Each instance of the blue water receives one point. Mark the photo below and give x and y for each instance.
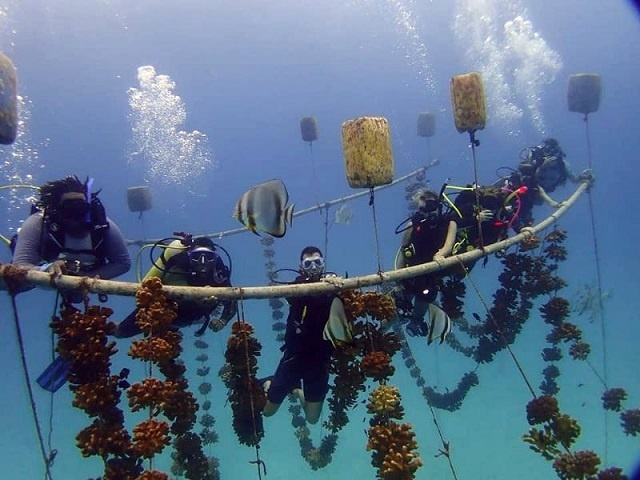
(239, 77)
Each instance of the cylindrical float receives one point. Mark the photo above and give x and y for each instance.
(368, 157)
(139, 199)
(309, 129)
(468, 102)
(583, 94)
(8, 101)
(426, 124)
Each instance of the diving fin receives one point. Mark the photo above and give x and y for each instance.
(439, 324)
(55, 375)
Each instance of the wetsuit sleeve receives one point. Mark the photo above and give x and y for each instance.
(449, 241)
(27, 251)
(117, 256)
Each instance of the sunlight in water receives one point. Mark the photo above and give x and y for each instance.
(19, 162)
(514, 59)
(171, 155)
(406, 28)
(414, 47)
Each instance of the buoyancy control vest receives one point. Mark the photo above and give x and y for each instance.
(52, 244)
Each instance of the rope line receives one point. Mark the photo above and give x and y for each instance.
(47, 459)
(398, 330)
(299, 213)
(495, 324)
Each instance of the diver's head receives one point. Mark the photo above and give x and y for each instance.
(205, 265)
(65, 202)
(427, 200)
(311, 263)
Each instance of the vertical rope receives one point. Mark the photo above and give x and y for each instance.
(445, 452)
(476, 186)
(258, 461)
(326, 231)
(52, 451)
(34, 412)
(498, 329)
(603, 330)
(372, 204)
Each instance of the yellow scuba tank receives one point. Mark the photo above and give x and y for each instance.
(366, 147)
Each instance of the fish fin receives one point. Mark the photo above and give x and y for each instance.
(338, 329)
(288, 214)
(251, 225)
(439, 324)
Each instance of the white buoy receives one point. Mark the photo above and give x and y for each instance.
(139, 199)
(309, 129)
(583, 94)
(426, 124)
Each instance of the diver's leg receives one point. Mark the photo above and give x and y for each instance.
(128, 327)
(284, 380)
(316, 386)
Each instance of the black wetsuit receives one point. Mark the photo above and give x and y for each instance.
(306, 354)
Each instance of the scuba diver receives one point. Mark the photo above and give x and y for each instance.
(190, 262)
(541, 170)
(429, 235)
(315, 325)
(69, 233)
(483, 216)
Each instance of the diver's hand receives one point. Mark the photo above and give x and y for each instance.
(485, 215)
(333, 279)
(528, 230)
(57, 268)
(217, 324)
(587, 175)
(439, 258)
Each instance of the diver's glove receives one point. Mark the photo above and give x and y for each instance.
(485, 215)
(587, 175)
(217, 324)
(57, 268)
(417, 329)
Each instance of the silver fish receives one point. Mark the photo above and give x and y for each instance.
(263, 208)
(343, 215)
(439, 324)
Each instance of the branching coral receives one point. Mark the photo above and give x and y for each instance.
(542, 409)
(247, 396)
(576, 466)
(631, 421)
(385, 401)
(161, 346)
(555, 310)
(612, 399)
(377, 365)
(394, 453)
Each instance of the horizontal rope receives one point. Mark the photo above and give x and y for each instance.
(205, 294)
(315, 208)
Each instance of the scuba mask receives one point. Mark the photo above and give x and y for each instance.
(312, 266)
(204, 262)
(74, 210)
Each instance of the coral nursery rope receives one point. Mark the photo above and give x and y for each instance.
(499, 330)
(258, 461)
(444, 452)
(45, 458)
